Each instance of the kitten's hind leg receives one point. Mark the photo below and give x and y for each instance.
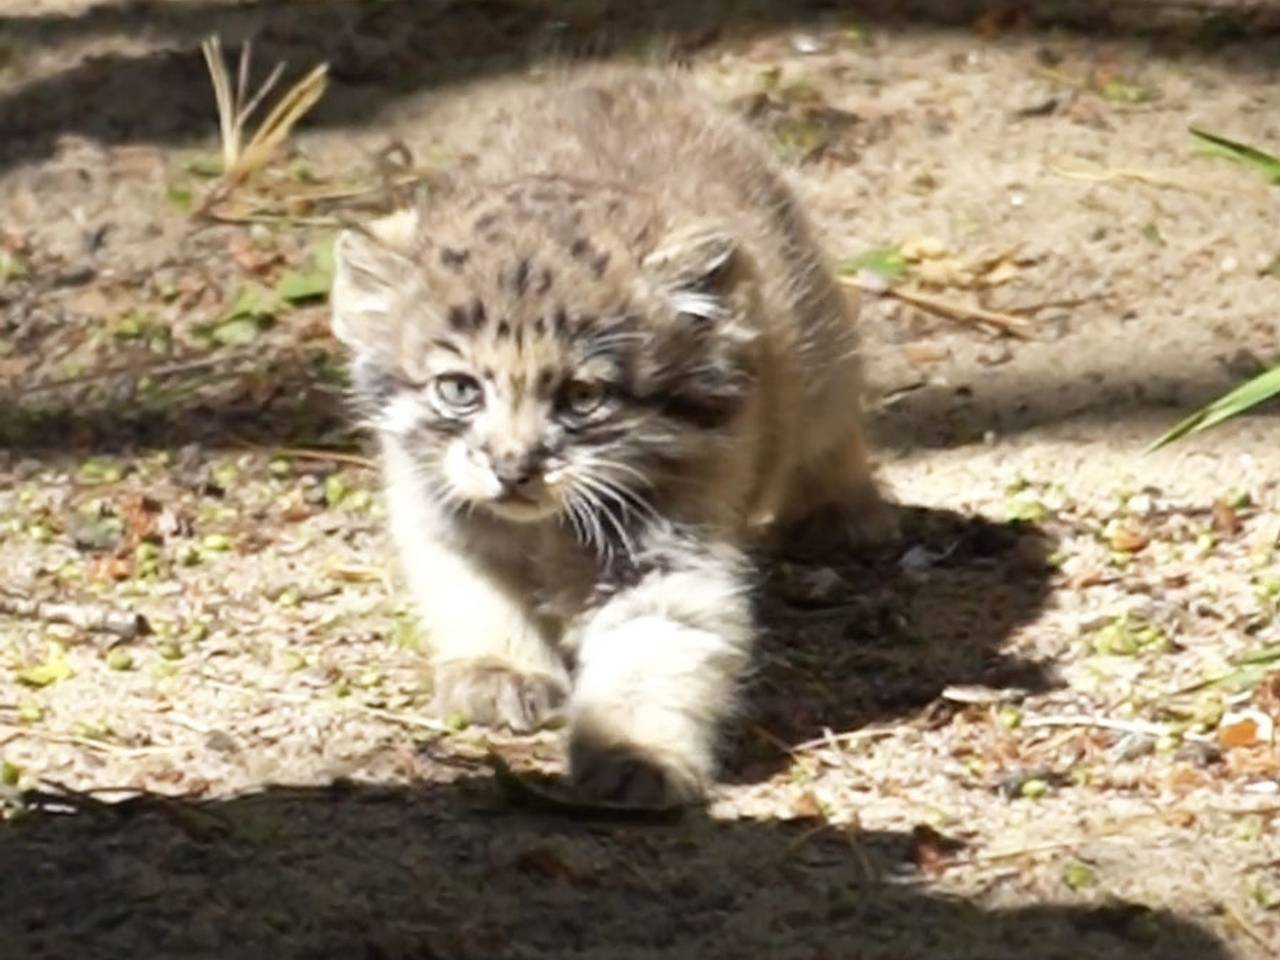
(658, 668)
(840, 506)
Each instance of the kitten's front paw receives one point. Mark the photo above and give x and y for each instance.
(493, 693)
(632, 775)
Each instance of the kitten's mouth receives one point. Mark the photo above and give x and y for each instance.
(521, 507)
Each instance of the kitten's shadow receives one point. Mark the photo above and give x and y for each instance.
(863, 636)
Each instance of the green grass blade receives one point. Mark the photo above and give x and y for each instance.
(1260, 388)
(1265, 163)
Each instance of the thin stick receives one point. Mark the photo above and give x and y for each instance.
(1004, 322)
(308, 453)
(101, 746)
(1139, 727)
(148, 370)
(1253, 933)
(300, 700)
(1009, 853)
(85, 616)
(1104, 175)
(852, 736)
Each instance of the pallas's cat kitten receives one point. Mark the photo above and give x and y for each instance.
(603, 364)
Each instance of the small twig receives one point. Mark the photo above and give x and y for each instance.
(983, 856)
(1104, 175)
(1004, 322)
(1249, 929)
(1139, 727)
(408, 719)
(830, 739)
(102, 746)
(307, 453)
(148, 370)
(85, 616)
(520, 793)
(301, 700)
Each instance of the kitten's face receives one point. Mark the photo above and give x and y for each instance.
(523, 418)
(540, 372)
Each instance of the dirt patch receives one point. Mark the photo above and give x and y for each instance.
(1036, 727)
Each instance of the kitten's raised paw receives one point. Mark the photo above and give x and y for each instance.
(629, 775)
(493, 693)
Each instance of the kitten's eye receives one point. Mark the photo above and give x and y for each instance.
(583, 398)
(459, 392)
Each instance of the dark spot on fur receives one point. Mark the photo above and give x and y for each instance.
(599, 265)
(446, 345)
(546, 380)
(487, 221)
(454, 259)
(703, 413)
(580, 248)
(544, 281)
(486, 373)
(540, 326)
(478, 315)
(459, 319)
(520, 276)
(561, 321)
(504, 330)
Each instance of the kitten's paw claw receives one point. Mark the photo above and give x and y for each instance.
(494, 694)
(629, 775)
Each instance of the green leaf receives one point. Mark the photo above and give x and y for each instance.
(180, 198)
(252, 300)
(1117, 91)
(239, 332)
(1261, 388)
(1079, 875)
(297, 286)
(1265, 163)
(886, 261)
(203, 164)
(54, 668)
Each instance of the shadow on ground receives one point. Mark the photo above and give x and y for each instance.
(365, 871)
(877, 634)
(379, 52)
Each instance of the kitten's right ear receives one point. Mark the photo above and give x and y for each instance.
(370, 273)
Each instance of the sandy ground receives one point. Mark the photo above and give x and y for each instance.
(1039, 727)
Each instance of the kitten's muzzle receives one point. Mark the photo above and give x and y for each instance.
(517, 474)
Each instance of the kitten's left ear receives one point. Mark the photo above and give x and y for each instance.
(693, 265)
(370, 271)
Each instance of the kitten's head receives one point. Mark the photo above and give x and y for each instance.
(533, 366)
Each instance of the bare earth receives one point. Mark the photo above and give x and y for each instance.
(1040, 726)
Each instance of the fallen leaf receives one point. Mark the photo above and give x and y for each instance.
(931, 850)
(1245, 728)
(806, 806)
(53, 668)
(1225, 520)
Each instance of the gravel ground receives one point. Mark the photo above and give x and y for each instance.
(1039, 726)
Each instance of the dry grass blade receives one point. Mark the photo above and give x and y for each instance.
(241, 158)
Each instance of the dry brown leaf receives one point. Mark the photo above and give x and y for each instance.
(932, 850)
(1225, 520)
(1245, 728)
(806, 806)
